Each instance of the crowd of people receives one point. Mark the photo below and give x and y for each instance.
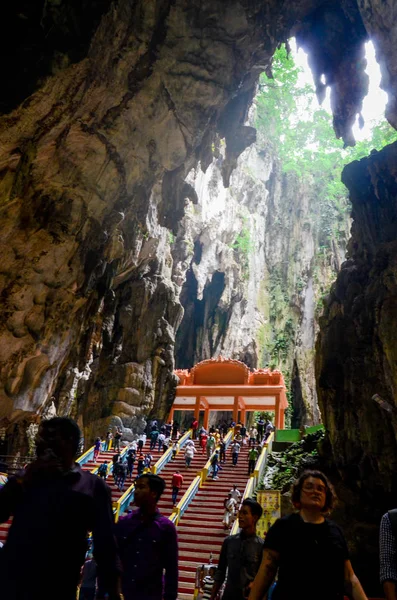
(55, 505)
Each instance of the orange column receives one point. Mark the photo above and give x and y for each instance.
(197, 408)
(282, 419)
(242, 416)
(277, 415)
(235, 409)
(206, 418)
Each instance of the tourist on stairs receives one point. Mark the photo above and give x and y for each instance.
(108, 439)
(160, 441)
(103, 471)
(153, 435)
(189, 453)
(55, 504)
(121, 475)
(215, 465)
(130, 462)
(140, 464)
(236, 494)
(241, 555)
(117, 439)
(222, 450)
(203, 441)
(235, 452)
(229, 506)
(208, 583)
(148, 546)
(308, 550)
(177, 482)
(210, 445)
(194, 428)
(260, 426)
(253, 455)
(253, 434)
(97, 448)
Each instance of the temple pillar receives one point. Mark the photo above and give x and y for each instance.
(206, 418)
(282, 419)
(277, 413)
(242, 416)
(197, 409)
(235, 409)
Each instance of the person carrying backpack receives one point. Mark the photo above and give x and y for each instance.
(215, 465)
(103, 471)
(130, 462)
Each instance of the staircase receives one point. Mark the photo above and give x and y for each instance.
(188, 474)
(201, 531)
(107, 456)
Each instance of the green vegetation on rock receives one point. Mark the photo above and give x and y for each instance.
(284, 467)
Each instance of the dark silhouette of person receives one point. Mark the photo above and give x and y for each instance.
(55, 504)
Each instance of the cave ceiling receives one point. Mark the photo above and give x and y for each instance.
(108, 106)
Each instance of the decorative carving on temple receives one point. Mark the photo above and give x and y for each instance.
(220, 360)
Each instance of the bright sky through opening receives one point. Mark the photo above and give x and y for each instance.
(374, 103)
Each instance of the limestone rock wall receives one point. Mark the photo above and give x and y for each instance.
(128, 98)
(356, 353)
(251, 272)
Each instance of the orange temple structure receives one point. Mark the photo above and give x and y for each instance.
(229, 385)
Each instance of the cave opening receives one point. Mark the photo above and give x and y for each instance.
(279, 233)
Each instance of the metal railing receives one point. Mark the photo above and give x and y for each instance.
(160, 464)
(110, 462)
(261, 463)
(14, 462)
(256, 476)
(124, 501)
(86, 457)
(186, 499)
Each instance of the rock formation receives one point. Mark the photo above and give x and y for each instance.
(121, 102)
(252, 275)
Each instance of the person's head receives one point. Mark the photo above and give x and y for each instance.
(313, 491)
(229, 495)
(148, 490)
(235, 487)
(249, 514)
(211, 571)
(61, 436)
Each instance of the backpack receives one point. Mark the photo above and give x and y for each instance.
(103, 469)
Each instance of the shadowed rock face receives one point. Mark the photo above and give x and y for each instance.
(356, 350)
(92, 167)
(356, 358)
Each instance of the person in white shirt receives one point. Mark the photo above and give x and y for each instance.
(230, 506)
(253, 434)
(189, 454)
(235, 493)
(160, 441)
(235, 452)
